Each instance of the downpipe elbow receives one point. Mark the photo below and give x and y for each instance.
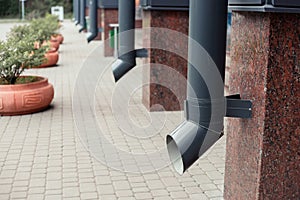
(90, 36)
(120, 67)
(188, 142)
(81, 28)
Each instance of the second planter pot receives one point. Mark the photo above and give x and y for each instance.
(58, 37)
(52, 57)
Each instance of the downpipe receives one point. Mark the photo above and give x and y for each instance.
(73, 10)
(93, 14)
(202, 127)
(127, 53)
(76, 10)
(82, 22)
(205, 106)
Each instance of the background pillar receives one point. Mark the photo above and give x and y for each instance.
(109, 16)
(156, 94)
(99, 36)
(263, 153)
(86, 13)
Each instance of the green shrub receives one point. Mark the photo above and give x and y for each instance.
(44, 28)
(18, 53)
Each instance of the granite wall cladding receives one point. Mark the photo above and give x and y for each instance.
(263, 153)
(109, 16)
(156, 94)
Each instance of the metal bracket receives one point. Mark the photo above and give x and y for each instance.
(236, 107)
(141, 53)
(199, 111)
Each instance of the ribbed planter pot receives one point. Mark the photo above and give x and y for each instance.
(52, 57)
(58, 37)
(25, 98)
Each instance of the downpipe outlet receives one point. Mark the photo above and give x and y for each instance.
(80, 28)
(126, 62)
(90, 37)
(188, 142)
(204, 110)
(199, 132)
(123, 64)
(127, 53)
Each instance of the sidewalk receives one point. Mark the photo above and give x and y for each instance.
(42, 155)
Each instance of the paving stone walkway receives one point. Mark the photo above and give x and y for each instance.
(57, 154)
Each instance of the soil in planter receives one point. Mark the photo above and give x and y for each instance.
(22, 80)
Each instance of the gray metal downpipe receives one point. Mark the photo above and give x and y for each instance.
(201, 130)
(127, 53)
(82, 22)
(76, 11)
(93, 14)
(73, 10)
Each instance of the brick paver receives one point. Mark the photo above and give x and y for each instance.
(42, 157)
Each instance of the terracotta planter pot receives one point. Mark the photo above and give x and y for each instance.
(25, 98)
(51, 59)
(54, 44)
(58, 37)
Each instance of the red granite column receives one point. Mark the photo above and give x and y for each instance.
(99, 24)
(109, 16)
(263, 153)
(154, 93)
